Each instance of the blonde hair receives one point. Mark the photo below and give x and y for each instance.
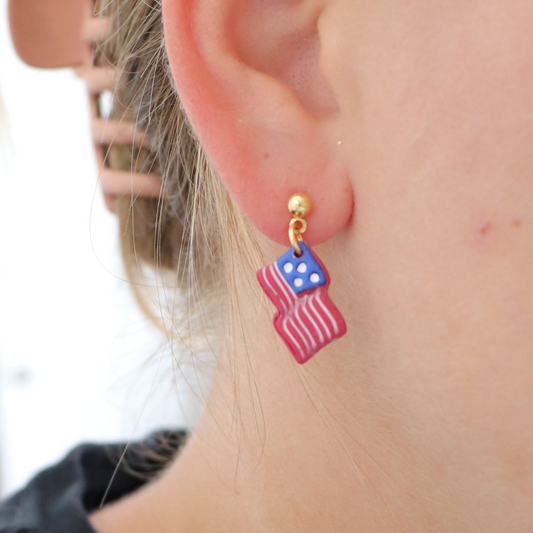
(193, 237)
(193, 230)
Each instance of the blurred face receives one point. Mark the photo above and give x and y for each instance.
(436, 99)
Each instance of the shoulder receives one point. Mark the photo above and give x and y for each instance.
(59, 498)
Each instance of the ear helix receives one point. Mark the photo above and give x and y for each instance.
(297, 284)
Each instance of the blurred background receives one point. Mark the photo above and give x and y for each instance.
(78, 360)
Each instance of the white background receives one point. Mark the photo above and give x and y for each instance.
(73, 345)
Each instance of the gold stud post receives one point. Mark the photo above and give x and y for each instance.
(300, 207)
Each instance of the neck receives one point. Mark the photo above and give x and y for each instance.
(357, 439)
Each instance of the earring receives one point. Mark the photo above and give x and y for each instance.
(297, 284)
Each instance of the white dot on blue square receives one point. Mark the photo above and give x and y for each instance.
(301, 273)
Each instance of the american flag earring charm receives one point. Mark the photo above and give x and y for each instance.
(297, 284)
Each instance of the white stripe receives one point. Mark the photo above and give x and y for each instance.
(275, 272)
(330, 316)
(282, 282)
(293, 299)
(301, 302)
(301, 322)
(263, 271)
(312, 320)
(326, 329)
(272, 288)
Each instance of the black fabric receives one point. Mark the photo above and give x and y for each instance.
(59, 498)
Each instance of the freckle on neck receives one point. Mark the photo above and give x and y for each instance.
(485, 227)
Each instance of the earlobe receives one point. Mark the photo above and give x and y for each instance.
(249, 79)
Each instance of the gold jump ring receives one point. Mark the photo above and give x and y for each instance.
(295, 233)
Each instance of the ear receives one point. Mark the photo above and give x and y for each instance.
(248, 75)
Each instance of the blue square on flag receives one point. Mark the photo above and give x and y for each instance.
(301, 273)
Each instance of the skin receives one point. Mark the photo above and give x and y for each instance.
(47, 34)
(419, 419)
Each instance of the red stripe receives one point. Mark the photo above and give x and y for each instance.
(307, 322)
(309, 331)
(283, 329)
(288, 299)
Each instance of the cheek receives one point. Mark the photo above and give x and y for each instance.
(437, 109)
(441, 88)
